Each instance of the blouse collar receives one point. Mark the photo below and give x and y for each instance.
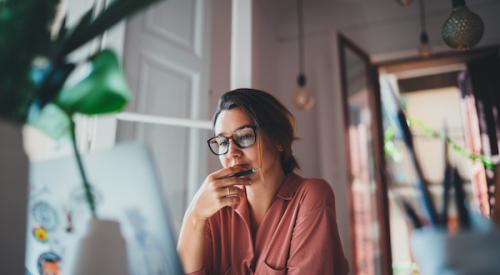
(289, 186)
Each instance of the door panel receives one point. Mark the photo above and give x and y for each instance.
(177, 49)
(164, 89)
(168, 146)
(166, 62)
(177, 24)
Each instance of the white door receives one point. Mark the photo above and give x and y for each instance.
(166, 61)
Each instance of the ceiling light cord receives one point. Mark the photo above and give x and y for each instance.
(423, 22)
(458, 3)
(300, 28)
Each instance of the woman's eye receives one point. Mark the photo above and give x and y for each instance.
(245, 140)
(223, 143)
(246, 137)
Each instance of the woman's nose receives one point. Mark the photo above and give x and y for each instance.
(233, 150)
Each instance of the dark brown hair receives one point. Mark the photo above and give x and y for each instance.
(269, 115)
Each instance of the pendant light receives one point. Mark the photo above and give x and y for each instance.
(424, 49)
(303, 98)
(463, 29)
(404, 3)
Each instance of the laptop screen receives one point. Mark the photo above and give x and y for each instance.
(126, 189)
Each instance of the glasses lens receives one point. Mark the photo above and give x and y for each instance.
(245, 137)
(219, 145)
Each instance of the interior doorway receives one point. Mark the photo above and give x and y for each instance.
(443, 91)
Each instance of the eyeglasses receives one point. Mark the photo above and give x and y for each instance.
(243, 137)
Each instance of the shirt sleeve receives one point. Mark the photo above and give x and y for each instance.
(315, 246)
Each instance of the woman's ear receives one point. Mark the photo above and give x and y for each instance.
(279, 147)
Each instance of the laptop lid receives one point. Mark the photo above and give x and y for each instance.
(126, 189)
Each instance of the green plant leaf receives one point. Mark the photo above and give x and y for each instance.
(97, 87)
(115, 12)
(62, 30)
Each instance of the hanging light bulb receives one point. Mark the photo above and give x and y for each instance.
(303, 98)
(424, 48)
(404, 3)
(463, 29)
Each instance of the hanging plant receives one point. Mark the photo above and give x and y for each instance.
(392, 151)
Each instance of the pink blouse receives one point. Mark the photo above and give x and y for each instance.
(298, 235)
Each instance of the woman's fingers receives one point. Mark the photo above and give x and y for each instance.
(229, 171)
(228, 201)
(219, 190)
(225, 182)
(229, 192)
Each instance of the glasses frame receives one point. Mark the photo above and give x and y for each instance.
(254, 129)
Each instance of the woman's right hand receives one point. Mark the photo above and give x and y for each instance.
(217, 191)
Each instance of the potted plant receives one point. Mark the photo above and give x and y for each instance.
(37, 80)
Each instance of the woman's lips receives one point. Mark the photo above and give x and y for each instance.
(238, 164)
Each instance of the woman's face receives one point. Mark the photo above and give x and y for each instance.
(227, 123)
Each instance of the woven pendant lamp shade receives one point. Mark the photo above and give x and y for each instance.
(463, 29)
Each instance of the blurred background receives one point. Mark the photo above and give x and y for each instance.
(181, 55)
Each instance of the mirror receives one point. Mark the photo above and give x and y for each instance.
(361, 136)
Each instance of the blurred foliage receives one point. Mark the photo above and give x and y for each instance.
(34, 64)
(24, 35)
(35, 68)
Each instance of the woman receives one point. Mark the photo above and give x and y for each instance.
(269, 222)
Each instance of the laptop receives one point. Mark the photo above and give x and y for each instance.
(126, 189)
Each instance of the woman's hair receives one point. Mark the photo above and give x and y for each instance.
(269, 115)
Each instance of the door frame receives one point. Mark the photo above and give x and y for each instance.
(376, 128)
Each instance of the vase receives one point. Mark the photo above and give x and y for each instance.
(101, 251)
(14, 170)
(464, 253)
